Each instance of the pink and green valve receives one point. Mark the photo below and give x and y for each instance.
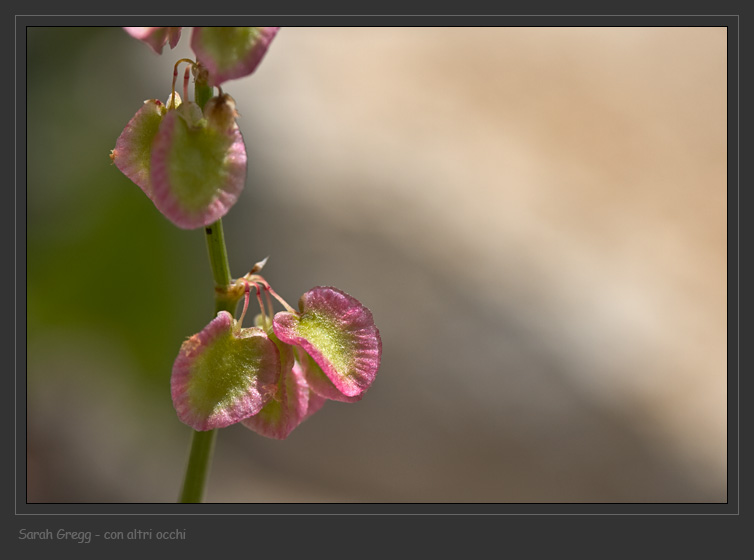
(272, 376)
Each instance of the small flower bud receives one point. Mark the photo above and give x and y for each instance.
(221, 113)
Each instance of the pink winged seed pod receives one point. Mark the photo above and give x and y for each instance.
(271, 381)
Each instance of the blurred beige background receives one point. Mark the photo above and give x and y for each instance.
(535, 216)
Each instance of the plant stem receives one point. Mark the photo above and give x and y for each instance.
(203, 443)
(218, 256)
(197, 471)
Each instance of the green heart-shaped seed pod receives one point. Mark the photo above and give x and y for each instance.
(133, 149)
(339, 335)
(224, 374)
(198, 165)
(230, 52)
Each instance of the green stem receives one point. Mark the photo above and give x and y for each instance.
(197, 471)
(218, 257)
(202, 443)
